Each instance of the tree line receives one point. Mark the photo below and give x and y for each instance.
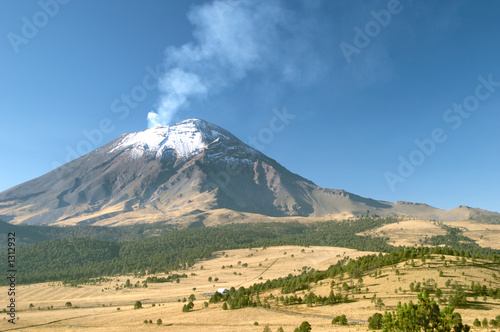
(75, 260)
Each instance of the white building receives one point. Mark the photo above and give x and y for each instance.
(222, 291)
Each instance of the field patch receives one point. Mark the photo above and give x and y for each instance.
(407, 233)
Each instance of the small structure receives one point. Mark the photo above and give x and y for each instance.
(222, 291)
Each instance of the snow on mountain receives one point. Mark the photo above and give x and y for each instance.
(186, 138)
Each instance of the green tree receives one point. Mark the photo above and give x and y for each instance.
(159, 321)
(267, 328)
(187, 307)
(476, 323)
(137, 305)
(68, 304)
(380, 303)
(304, 327)
(458, 299)
(375, 321)
(423, 316)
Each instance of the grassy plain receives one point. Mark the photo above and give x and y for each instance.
(107, 306)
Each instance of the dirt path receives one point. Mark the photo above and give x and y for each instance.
(260, 273)
(48, 323)
(311, 315)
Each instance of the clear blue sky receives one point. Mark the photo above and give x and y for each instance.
(363, 79)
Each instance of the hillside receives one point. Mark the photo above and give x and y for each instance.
(107, 303)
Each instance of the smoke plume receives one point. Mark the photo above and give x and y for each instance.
(231, 39)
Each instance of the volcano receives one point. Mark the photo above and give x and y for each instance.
(192, 171)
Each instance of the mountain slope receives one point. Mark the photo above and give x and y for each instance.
(189, 171)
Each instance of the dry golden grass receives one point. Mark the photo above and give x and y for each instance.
(386, 285)
(486, 235)
(97, 305)
(407, 233)
(411, 232)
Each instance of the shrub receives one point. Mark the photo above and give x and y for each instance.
(375, 321)
(304, 327)
(341, 320)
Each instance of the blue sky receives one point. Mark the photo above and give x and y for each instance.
(393, 100)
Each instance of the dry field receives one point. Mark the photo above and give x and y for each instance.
(95, 307)
(407, 233)
(393, 287)
(411, 232)
(486, 235)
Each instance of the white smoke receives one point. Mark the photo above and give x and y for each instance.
(232, 39)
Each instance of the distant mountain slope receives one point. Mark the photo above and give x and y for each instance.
(192, 171)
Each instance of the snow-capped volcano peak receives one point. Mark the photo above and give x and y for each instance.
(186, 138)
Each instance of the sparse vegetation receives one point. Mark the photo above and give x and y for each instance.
(78, 259)
(425, 315)
(355, 281)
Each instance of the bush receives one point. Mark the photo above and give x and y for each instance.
(187, 307)
(159, 322)
(459, 299)
(341, 320)
(304, 327)
(375, 321)
(138, 305)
